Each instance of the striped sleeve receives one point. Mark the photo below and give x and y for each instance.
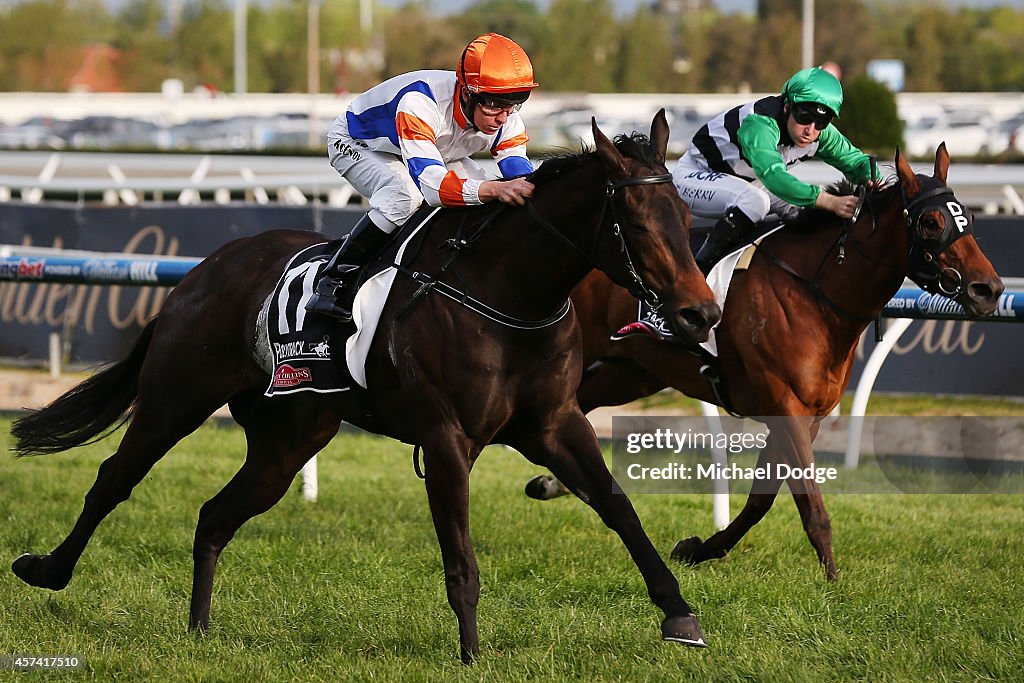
(509, 149)
(417, 121)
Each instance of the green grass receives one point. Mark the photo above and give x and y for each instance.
(880, 404)
(350, 588)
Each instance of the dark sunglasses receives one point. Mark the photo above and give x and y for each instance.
(805, 116)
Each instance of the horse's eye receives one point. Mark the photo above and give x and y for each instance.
(930, 224)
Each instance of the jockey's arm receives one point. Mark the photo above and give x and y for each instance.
(838, 152)
(509, 150)
(759, 139)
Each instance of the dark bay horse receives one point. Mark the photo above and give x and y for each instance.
(790, 329)
(441, 376)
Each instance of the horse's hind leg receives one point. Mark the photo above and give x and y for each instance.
(156, 425)
(571, 451)
(281, 435)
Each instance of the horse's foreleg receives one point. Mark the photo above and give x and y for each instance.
(446, 457)
(807, 496)
(571, 451)
(280, 438)
(694, 551)
(811, 505)
(151, 433)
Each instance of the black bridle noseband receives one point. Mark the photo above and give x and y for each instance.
(637, 287)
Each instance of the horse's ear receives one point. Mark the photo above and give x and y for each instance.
(659, 136)
(908, 179)
(941, 162)
(614, 163)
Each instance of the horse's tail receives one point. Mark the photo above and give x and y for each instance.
(88, 411)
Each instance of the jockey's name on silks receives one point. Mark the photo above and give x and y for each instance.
(417, 116)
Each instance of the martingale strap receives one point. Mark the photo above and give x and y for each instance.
(479, 307)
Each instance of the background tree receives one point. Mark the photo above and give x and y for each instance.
(517, 19)
(415, 39)
(728, 52)
(205, 46)
(844, 31)
(578, 50)
(143, 36)
(869, 116)
(41, 41)
(645, 56)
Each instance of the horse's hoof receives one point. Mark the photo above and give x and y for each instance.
(689, 550)
(36, 570)
(545, 487)
(685, 630)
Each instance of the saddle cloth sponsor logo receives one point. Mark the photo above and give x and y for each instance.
(288, 376)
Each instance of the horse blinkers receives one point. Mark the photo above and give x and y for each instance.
(926, 250)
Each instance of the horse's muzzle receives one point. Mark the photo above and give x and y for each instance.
(695, 322)
(981, 297)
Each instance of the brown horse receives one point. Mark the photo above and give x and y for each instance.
(790, 329)
(440, 376)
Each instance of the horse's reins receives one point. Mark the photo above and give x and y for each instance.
(457, 245)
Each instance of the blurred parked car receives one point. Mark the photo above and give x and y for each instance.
(683, 122)
(966, 134)
(112, 132)
(35, 133)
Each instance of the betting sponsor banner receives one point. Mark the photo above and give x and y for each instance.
(99, 321)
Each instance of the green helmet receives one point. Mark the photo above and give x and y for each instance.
(814, 85)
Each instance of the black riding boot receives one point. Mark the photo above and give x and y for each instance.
(335, 288)
(732, 230)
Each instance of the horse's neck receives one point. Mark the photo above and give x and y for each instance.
(885, 252)
(868, 274)
(528, 269)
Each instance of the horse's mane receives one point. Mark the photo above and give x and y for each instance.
(814, 219)
(635, 145)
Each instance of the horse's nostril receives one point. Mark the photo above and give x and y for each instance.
(699, 317)
(982, 292)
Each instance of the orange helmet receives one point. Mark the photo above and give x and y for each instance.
(497, 66)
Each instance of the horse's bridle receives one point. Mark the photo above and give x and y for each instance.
(638, 287)
(461, 243)
(923, 254)
(923, 257)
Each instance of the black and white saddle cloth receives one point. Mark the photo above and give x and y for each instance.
(307, 350)
(314, 352)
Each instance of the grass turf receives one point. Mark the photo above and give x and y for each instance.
(351, 588)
